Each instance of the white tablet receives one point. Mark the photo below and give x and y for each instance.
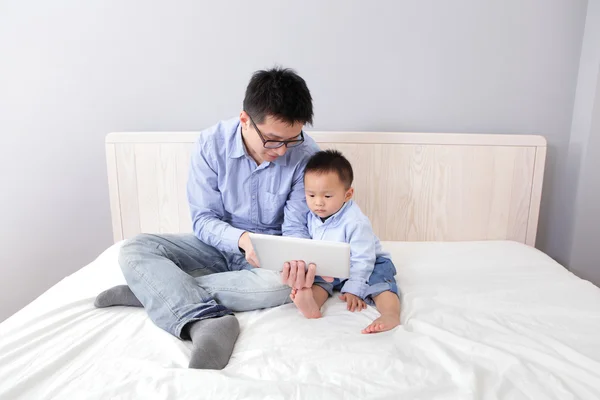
(331, 258)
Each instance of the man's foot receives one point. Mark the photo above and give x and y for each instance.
(304, 300)
(383, 323)
(213, 340)
(117, 296)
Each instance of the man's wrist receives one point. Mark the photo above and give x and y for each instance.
(240, 242)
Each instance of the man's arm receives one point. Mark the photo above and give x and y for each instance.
(296, 210)
(206, 205)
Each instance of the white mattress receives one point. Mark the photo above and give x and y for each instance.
(481, 320)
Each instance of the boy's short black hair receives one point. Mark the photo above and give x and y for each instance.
(281, 93)
(331, 161)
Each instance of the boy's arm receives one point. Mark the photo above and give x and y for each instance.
(206, 205)
(362, 259)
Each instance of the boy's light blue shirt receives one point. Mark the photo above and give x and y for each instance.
(351, 226)
(229, 194)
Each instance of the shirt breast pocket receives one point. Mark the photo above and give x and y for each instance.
(271, 212)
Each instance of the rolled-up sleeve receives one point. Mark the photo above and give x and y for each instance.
(206, 205)
(362, 259)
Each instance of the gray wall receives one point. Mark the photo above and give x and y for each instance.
(585, 256)
(71, 71)
(583, 166)
(584, 153)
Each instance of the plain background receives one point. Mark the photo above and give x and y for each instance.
(72, 71)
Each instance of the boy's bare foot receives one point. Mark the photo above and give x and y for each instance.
(384, 323)
(304, 300)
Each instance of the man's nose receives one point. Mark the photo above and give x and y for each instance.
(281, 150)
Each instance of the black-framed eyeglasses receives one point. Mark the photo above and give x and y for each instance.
(275, 144)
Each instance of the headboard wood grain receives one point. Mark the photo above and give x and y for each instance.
(413, 186)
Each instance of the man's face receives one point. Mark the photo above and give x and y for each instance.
(271, 129)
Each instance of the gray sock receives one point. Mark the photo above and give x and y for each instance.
(117, 296)
(213, 341)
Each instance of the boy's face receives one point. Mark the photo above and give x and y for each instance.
(271, 129)
(325, 193)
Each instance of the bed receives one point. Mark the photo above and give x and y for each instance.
(485, 315)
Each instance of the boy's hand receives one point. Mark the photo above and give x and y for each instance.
(245, 244)
(354, 303)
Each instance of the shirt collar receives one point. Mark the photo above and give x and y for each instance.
(238, 149)
(283, 160)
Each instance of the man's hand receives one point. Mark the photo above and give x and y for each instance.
(295, 275)
(354, 303)
(245, 244)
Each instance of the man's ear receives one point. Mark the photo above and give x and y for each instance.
(245, 119)
(349, 194)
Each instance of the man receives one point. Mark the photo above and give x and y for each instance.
(246, 175)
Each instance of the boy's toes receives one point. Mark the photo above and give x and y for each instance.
(382, 324)
(369, 329)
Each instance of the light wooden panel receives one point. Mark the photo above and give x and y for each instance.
(183, 152)
(149, 192)
(441, 187)
(111, 166)
(536, 194)
(441, 192)
(127, 189)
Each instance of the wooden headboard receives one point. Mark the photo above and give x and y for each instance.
(413, 186)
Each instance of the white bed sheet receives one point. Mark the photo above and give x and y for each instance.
(481, 320)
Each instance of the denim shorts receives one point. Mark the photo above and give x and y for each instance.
(381, 280)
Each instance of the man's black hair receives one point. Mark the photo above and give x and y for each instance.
(331, 161)
(281, 93)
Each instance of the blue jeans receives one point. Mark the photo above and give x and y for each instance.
(381, 280)
(180, 279)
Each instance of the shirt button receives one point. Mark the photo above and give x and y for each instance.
(253, 197)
